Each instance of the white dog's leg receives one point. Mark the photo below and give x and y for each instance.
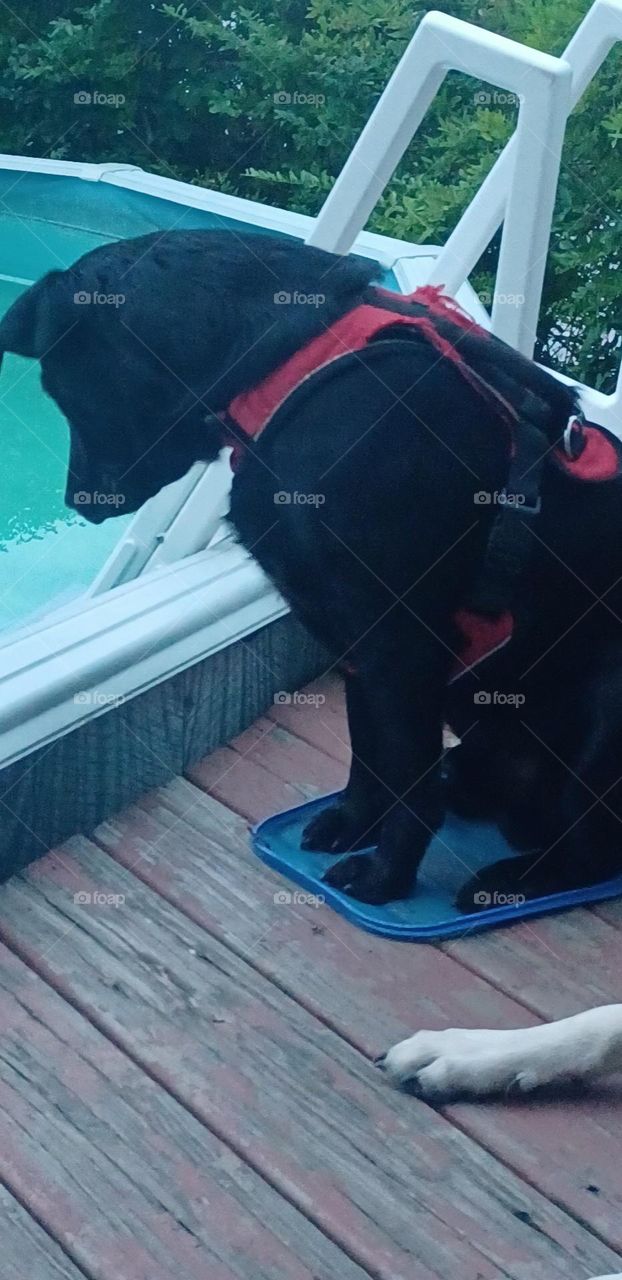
(446, 1064)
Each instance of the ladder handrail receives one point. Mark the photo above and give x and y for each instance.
(542, 85)
(594, 38)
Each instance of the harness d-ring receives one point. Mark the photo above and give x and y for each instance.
(573, 439)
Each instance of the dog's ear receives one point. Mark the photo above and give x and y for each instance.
(39, 317)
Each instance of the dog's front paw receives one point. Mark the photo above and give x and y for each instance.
(433, 1064)
(368, 877)
(440, 1066)
(336, 830)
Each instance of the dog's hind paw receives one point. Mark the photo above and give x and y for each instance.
(507, 883)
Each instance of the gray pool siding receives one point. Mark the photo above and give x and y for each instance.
(87, 775)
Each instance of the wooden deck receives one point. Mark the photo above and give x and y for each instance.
(185, 1075)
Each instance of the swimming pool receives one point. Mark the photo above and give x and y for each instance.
(49, 555)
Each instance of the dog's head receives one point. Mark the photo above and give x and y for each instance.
(143, 342)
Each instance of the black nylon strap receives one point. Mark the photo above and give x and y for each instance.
(511, 544)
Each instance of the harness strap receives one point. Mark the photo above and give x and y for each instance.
(252, 409)
(510, 542)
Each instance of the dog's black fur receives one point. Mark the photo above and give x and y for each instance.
(396, 444)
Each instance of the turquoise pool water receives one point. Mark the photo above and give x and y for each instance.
(49, 555)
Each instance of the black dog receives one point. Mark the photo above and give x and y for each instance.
(369, 500)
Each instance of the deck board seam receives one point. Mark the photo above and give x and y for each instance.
(266, 765)
(586, 1226)
(530, 1006)
(270, 773)
(46, 1228)
(525, 1178)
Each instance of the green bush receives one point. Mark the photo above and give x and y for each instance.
(267, 102)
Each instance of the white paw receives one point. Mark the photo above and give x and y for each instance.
(440, 1065)
(444, 1064)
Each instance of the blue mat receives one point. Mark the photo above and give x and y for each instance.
(456, 853)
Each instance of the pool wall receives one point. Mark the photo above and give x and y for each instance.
(87, 775)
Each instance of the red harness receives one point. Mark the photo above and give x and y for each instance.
(252, 410)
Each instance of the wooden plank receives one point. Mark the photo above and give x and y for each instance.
(196, 852)
(285, 755)
(406, 1194)
(322, 725)
(245, 786)
(129, 1182)
(371, 990)
(304, 744)
(611, 912)
(557, 964)
(27, 1250)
